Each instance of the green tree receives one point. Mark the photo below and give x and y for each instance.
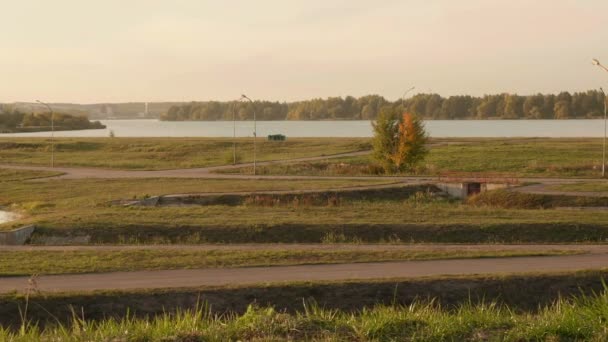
(384, 141)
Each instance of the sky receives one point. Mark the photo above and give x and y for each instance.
(283, 50)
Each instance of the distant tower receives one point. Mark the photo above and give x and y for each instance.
(146, 110)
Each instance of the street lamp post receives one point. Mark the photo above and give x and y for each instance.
(604, 149)
(403, 97)
(255, 132)
(52, 131)
(597, 63)
(234, 133)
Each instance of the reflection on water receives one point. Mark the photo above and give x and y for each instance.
(436, 128)
(6, 216)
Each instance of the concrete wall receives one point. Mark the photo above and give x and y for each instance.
(494, 186)
(458, 190)
(16, 237)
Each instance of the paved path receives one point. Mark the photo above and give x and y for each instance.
(204, 172)
(281, 274)
(540, 186)
(591, 249)
(207, 172)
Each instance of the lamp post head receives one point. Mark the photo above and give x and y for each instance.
(595, 62)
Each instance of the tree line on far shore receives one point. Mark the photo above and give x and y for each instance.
(580, 105)
(13, 121)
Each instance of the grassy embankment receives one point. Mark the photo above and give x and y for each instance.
(165, 153)
(81, 207)
(539, 157)
(26, 263)
(519, 200)
(582, 187)
(355, 311)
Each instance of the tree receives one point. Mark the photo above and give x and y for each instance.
(426, 106)
(562, 109)
(411, 140)
(512, 107)
(385, 133)
(399, 144)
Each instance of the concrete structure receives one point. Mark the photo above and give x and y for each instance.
(468, 188)
(17, 236)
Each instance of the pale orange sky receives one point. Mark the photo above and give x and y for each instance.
(182, 50)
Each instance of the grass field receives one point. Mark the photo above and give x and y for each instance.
(518, 157)
(84, 197)
(580, 319)
(582, 187)
(523, 157)
(82, 207)
(7, 175)
(519, 200)
(164, 153)
(26, 263)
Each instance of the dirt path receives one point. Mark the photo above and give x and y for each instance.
(280, 274)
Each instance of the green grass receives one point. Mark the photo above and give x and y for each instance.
(519, 200)
(582, 187)
(25, 263)
(9, 175)
(164, 153)
(540, 157)
(578, 319)
(82, 207)
(522, 157)
(74, 198)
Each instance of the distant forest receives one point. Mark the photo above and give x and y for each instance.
(583, 105)
(15, 121)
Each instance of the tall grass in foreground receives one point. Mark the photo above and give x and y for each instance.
(578, 319)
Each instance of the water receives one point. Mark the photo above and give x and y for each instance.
(436, 128)
(6, 216)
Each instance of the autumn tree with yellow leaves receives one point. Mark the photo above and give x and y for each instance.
(399, 142)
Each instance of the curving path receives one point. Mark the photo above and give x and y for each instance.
(539, 186)
(281, 274)
(203, 172)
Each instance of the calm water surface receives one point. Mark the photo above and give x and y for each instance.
(436, 128)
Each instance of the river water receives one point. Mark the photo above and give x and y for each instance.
(436, 128)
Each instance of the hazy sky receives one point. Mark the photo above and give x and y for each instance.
(179, 50)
